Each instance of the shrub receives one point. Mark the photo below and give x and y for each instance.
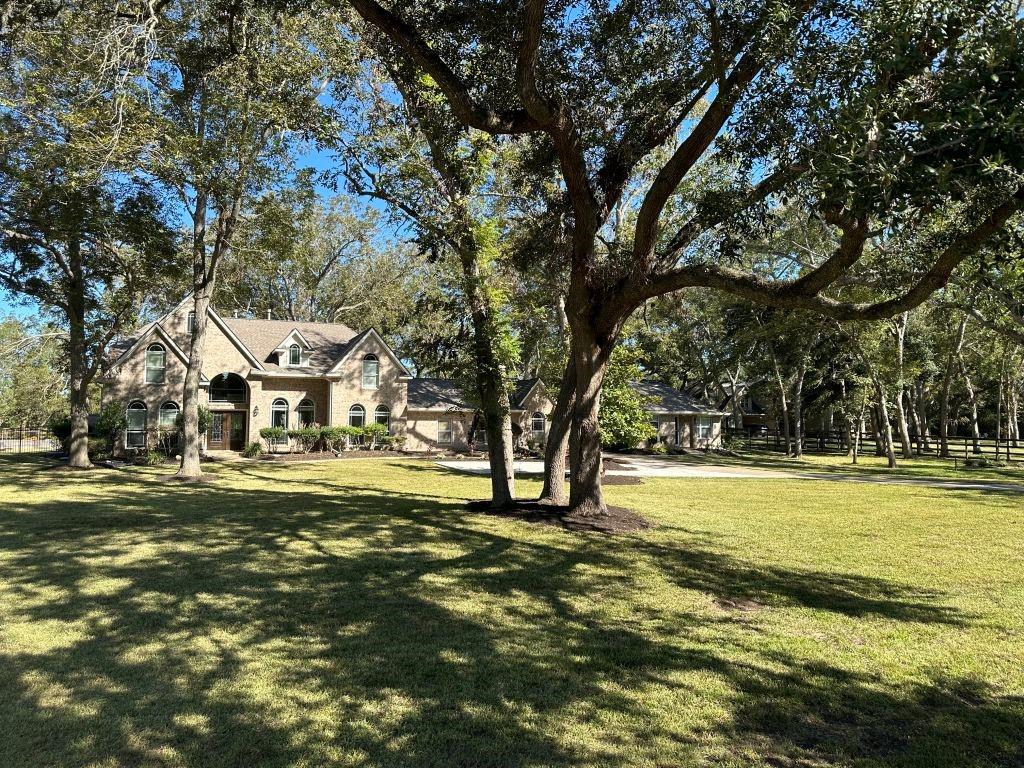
(351, 435)
(332, 437)
(111, 423)
(659, 448)
(99, 448)
(151, 458)
(205, 419)
(376, 433)
(273, 435)
(307, 438)
(252, 450)
(60, 426)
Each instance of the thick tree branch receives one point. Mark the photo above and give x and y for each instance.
(466, 109)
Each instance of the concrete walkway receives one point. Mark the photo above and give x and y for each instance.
(656, 466)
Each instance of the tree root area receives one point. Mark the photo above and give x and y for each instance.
(201, 480)
(613, 520)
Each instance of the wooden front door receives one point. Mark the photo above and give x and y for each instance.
(227, 431)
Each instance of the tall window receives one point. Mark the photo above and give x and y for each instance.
(705, 427)
(382, 415)
(444, 432)
(135, 430)
(294, 355)
(156, 364)
(279, 413)
(191, 323)
(371, 372)
(168, 415)
(307, 413)
(357, 416)
(537, 423)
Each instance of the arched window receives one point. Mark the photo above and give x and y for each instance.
(227, 388)
(537, 423)
(357, 416)
(371, 372)
(382, 415)
(156, 364)
(169, 414)
(135, 429)
(307, 413)
(191, 322)
(279, 413)
(294, 355)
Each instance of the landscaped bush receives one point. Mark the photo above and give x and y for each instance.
(110, 424)
(332, 438)
(376, 433)
(273, 435)
(60, 426)
(99, 448)
(659, 448)
(151, 458)
(307, 438)
(252, 450)
(982, 462)
(351, 435)
(205, 419)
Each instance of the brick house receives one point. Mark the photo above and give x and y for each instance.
(260, 373)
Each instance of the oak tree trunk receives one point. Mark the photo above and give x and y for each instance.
(586, 497)
(972, 399)
(558, 438)
(190, 468)
(78, 455)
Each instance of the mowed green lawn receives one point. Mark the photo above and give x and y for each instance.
(353, 614)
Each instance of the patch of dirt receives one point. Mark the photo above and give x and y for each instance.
(743, 604)
(616, 520)
(201, 480)
(621, 480)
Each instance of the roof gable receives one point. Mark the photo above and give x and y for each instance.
(153, 330)
(666, 399)
(361, 339)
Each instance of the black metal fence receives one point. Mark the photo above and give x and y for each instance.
(27, 440)
(960, 446)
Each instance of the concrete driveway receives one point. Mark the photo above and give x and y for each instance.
(658, 466)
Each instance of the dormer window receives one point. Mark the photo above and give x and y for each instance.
(294, 355)
(371, 372)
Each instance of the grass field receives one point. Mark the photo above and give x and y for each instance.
(353, 614)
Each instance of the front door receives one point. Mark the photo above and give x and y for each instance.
(227, 431)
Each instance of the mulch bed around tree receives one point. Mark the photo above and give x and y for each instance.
(321, 455)
(617, 519)
(201, 480)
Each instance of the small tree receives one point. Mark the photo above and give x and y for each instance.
(624, 419)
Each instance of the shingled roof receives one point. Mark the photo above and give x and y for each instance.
(666, 399)
(447, 394)
(327, 341)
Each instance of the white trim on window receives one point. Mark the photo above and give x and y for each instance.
(538, 423)
(445, 431)
(356, 413)
(136, 415)
(306, 411)
(294, 355)
(156, 364)
(382, 415)
(279, 413)
(371, 372)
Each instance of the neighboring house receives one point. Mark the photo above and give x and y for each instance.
(679, 418)
(261, 373)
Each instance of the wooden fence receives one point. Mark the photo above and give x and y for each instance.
(27, 440)
(960, 446)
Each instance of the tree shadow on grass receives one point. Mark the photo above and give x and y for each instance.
(356, 626)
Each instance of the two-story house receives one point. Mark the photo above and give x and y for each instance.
(260, 373)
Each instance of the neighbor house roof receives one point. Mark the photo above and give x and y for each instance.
(327, 341)
(666, 399)
(447, 394)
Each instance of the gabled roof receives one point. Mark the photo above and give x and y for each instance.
(148, 333)
(327, 342)
(293, 336)
(448, 395)
(666, 399)
(356, 341)
(437, 395)
(521, 391)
